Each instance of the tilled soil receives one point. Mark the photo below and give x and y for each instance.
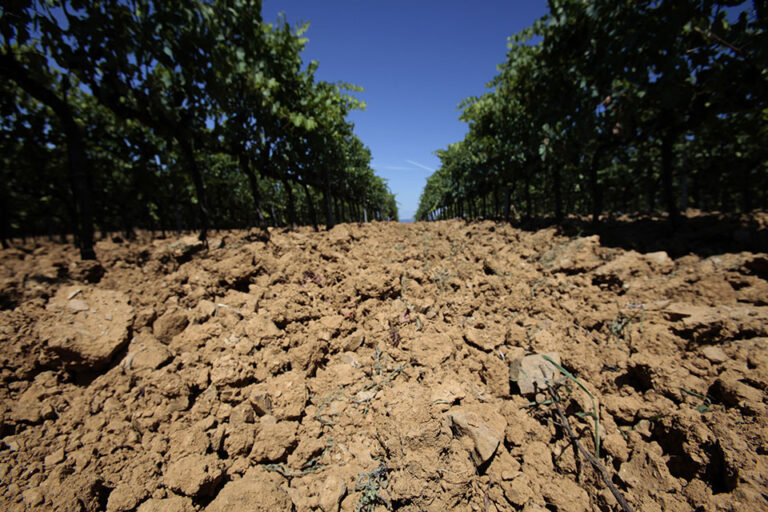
(368, 368)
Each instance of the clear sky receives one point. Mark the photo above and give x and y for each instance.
(416, 60)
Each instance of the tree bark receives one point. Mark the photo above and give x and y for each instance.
(291, 204)
(558, 194)
(528, 205)
(667, 177)
(197, 179)
(78, 160)
(310, 206)
(329, 220)
(594, 185)
(507, 202)
(253, 181)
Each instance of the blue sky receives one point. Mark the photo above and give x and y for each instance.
(416, 60)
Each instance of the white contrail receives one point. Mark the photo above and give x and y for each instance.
(391, 167)
(417, 164)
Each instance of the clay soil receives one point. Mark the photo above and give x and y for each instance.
(369, 368)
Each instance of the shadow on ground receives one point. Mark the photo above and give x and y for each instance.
(703, 234)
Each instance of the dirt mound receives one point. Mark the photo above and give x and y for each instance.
(381, 366)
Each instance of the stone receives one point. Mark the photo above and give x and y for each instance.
(251, 494)
(171, 323)
(146, 352)
(86, 340)
(660, 259)
(89, 271)
(485, 440)
(260, 327)
(518, 491)
(54, 458)
(333, 491)
(284, 396)
(126, 497)
(170, 504)
(239, 439)
(482, 339)
(714, 354)
(194, 475)
(33, 497)
(184, 248)
(274, 439)
(577, 256)
(332, 322)
(533, 373)
(189, 441)
(565, 494)
(229, 370)
(732, 392)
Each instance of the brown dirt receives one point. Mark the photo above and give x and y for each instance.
(369, 367)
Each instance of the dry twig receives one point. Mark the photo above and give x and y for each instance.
(606, 477)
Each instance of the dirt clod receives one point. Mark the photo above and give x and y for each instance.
(381, 365)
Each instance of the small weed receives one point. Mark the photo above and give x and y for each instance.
(334, 396)
(370, 484)
(704, 407)
(536, 285)
(621, 325)
(311, 466)
(594, 413)
(372, 388)
(440, 277)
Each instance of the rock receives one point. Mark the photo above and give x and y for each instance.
(170, 504)
(339, 234)
(88, 271)
(242, 414)
(30, 409)
(86, 340)
(284, 396)
(194, 475)
(203, 311)
(518, 491)
(77, 493)
(431, 349)
(646, 472)
(190, 441)
(126, 497)
(77, 305)
(170, 324)
(484, 439)
(332, 323)
(229, 370)
(617, 274)
(482, 339)
(660, 260)
(239, 439)
(574, 257)
(714, 354)
(274, 439)
(54, 458)
(261, 327)
(733, 393)
(146, 352)
(566, 494)
(532, 373)
(704, 324)
(33, 497)
(251, 494)
(184, 248)
(333, 491)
